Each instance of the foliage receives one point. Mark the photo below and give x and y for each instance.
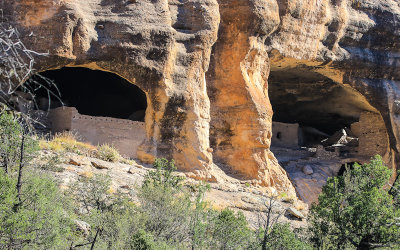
(109, 153)
(142, 240)
(182, 219)
(231, 231)
(32, 211)
(165, 203)
(40, 221)
(10, 142)
(112, 217)
(163, 176)
(282, 237)
(395, 191)
(274, 235)
(355, 210)
(51, 163)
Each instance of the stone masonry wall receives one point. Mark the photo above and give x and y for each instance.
(372, 135)
(125, 135)
(285, 135)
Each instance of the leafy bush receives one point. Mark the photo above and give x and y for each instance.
(39, 220)
(355, 210)
(32, 213)
(51, 163)
(282, 237)
(108, 153)
(182, 219)
(112, 217)
(230, 231)
(165, 203)
(11, 136)
(142, 241)
(163, 176)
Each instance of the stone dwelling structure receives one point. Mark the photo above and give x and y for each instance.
(285, 134)
(215, 72)
(125, 135)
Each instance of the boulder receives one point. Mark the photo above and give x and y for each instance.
(339, 137)
(296, 213)
(99, 164)
(307, 170)
(83, 227)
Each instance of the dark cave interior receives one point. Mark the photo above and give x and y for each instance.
(315, 102)
(93, 92)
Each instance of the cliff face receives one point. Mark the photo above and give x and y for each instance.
(212, 68)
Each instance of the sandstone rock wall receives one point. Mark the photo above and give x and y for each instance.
(205, 66)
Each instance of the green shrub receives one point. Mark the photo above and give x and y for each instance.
(282, 237)
(11, 134)
(230, 230)
(142, 240)
(166, 204)
(39, 221)
(356, 211)
(395, 191)
(163, 176)
(52, 163)
(108, 153)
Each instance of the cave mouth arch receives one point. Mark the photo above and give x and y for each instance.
(316, 103)
(93, 93)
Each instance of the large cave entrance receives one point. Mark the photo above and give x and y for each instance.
(93, 93)
(313, 105)
(100, 107)
(318, 105)
(319, 125)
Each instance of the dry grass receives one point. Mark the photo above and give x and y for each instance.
(68, 142)
(286, 198)
(299, 205)
(111, 190)
(86, 174)
(129, 162)
(108, 153)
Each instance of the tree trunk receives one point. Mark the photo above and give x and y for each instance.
(21, 166)
(94, 240)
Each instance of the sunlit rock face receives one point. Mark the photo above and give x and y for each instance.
(217, 72)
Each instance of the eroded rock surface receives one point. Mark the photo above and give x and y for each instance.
(212, 68)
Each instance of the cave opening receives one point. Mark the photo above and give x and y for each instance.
(316, 103)
(93, 93)
(321, 124)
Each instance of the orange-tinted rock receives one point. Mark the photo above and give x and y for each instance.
(206, 66)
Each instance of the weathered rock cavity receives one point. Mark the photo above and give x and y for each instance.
(205, 65)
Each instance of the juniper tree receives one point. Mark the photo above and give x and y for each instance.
(356, 210)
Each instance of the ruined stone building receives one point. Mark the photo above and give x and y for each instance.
(201, 81)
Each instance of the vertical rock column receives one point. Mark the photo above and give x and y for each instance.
(241, 114)
(181, 130)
